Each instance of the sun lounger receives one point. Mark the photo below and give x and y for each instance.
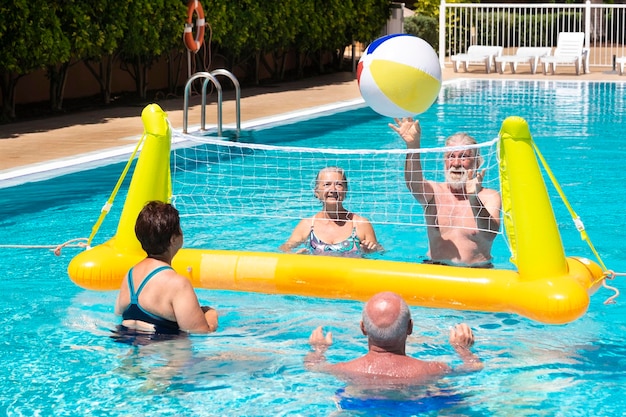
(476, 54)
(621, 61)
(524, 55)
(569, 50)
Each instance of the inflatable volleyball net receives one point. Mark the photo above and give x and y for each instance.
(255, 188)
(248, 197)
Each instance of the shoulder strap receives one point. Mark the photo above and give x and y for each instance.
(131, 286)
(149, 276)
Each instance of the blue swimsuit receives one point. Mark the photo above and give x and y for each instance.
(349, 248)
(135, 312)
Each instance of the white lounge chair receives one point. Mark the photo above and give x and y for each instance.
(524, 55)
(621, 61)
(476, 54)
(569, 50)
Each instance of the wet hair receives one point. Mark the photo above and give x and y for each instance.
(332, 169)
(156, 224)
(465, 139)
(389, 334)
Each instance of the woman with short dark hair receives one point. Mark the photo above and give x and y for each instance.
(154, 298)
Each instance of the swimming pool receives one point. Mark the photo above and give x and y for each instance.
(59, 360)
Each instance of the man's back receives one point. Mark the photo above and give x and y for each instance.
(389, 365)
(387, 323)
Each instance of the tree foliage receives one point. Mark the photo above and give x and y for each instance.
(30, 39)
(81, 32)
(430, 8)
(154, 27)
(249, 34)
(108, 30)
(424, 27)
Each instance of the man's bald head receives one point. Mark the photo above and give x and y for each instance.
(386, 318)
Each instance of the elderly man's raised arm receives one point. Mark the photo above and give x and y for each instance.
(462, 339)
(410, 131)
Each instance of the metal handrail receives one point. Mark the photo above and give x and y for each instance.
(218, 86)
(232, 77)
(208, 78)
(212, 77)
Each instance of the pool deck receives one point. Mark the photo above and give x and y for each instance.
(36, 142)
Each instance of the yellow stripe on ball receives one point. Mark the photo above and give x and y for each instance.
(407, 87)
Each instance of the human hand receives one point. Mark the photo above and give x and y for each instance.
(368, 246)
(319, 341)
(475, 182)
(461, 336)
(409, 130)
(210, 315)
(289, 246)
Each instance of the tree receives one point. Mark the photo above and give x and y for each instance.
(109, 26)
(154, 27)
(275, 31)
(30, 39)
(81, 32)
(368, 22)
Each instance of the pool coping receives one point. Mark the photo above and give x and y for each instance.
(37, 150)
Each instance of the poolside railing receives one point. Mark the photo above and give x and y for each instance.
(515, 25)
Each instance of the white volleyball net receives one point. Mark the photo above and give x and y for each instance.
(230, 190)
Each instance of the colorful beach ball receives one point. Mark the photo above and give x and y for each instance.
(399, 75)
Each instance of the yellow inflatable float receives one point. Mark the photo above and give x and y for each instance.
(547, 286)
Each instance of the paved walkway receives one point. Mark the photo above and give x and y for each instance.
(34, 142)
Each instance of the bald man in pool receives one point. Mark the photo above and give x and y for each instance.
(463, 218)
(386, 321)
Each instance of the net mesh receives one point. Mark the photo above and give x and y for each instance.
(218, 178)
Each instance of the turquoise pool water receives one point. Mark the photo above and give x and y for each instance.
(57, 358)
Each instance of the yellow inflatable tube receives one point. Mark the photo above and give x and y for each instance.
(547, 287)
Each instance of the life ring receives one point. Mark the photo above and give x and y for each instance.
(194, 44)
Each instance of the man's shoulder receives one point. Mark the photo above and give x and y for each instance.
(439, 186)
(402, 368)
(491, 194)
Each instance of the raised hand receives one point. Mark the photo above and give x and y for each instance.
(475, 182)
(319, 341)
(461, 336)
(409, 130)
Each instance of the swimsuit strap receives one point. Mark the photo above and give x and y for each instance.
(134, 296)
(353, 221)
(131, 286)
(353, 235)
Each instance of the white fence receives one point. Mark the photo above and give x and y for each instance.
(514, 25)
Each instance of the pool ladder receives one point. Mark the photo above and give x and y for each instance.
(212, 77)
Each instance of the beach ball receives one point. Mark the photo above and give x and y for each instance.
(399, 75)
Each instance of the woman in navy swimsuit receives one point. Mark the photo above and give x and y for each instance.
(154, 298)
(334, 230)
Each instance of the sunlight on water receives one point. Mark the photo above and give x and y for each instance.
(59, 359)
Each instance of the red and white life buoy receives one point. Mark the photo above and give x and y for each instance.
(194, 44)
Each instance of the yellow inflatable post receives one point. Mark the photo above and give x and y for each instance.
(103, 266)
(528, 216)
(548, 280)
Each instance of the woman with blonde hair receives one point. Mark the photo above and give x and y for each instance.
(334, 230)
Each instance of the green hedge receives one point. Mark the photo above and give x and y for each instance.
(133, 34)
(424, 27)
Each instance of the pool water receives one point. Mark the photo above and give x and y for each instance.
(58, 358)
